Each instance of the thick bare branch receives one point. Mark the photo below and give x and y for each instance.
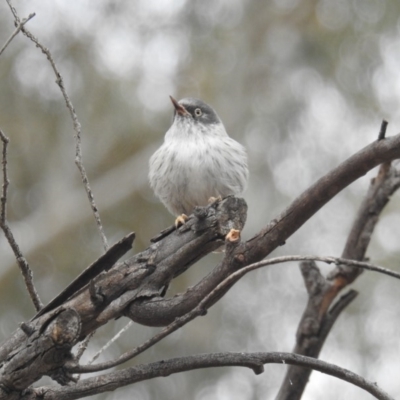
(380, 191)
(310, 201)
(273, 235)
(108, 294)
(134, 287)
(52, 348)
(318, 319)
(130, 284)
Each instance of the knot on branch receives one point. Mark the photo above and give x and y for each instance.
(43, 352)
(232, 214)
(65, 328)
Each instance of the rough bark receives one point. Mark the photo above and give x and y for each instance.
(319, 315)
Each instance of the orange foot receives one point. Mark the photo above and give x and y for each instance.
(180, 220)
(233, 236)
(213, 199)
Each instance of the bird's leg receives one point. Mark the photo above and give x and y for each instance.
(180, 220)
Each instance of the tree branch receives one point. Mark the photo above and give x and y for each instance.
(318, 319)
(315, 197)
(15, 33)
(128, 287)
(76, 124)
(52, 345)
(21, 260)
(201, 308)
(273, 235)
(255, 361)
(140, 277)
(135, 287)
(104, 263)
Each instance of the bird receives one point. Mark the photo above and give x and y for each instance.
(198, 162)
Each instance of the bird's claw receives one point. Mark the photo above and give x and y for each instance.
(213, 199)
(180, 220)
(233, 236)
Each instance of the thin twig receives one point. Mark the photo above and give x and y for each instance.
(22, 263)
(15, 33)
(382, 131)
(110, 342)
(14, 11)
(83, 346)
(76, 123)
(6, 182)
(201, 308)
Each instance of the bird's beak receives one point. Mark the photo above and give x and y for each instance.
(178, 107)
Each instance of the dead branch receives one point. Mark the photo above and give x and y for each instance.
(273, 235)
(319, 316)
(76, 123)
(17, 30)
(107, 295)
(136, 287)
(21, 260)
(255, 361)
(313, 282)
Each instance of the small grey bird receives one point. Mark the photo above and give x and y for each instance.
(198, 161)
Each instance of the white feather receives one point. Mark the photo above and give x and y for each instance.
(197, 161)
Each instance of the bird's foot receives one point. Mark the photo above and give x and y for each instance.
(213, 199)
(233, 236)
(180, 220)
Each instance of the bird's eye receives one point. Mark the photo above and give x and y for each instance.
(197, 112)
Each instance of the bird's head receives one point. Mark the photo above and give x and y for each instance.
(195, 111)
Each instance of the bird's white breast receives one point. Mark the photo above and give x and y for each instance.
(195, 164)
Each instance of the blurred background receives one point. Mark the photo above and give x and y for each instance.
(303, 84)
